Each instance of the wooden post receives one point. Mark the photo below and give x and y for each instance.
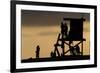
(82, 47)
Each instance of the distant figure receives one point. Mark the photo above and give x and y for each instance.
(72, 48)
(37, 51)
(64, 29)
(72, 52)
(53, 55)
(77, 48)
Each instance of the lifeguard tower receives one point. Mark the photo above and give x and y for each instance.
(66, 37)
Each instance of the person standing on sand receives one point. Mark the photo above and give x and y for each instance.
(37, 51)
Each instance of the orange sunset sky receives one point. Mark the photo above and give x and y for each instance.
(42, 28)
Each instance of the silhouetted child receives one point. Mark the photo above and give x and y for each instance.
(77, 48)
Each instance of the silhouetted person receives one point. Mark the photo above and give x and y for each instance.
(64, 29)
(77, 48)
(74, 50)
(53, 55)
(37, 51)
(71, 48)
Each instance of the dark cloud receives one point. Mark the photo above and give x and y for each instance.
(47, 18)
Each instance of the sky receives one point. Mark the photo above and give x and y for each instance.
(48, 18)
(42, 28)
